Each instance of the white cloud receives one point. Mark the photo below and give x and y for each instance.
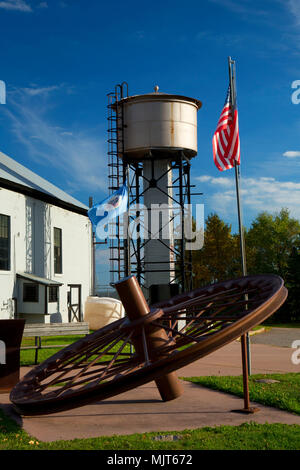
(34, 90)
(258, 194)
(204, 178)
(221, 181)
(292, 154)
(294, 8)
(78, 156)
(17, 5)
(21, 5)
(66, 133)
(244, 7)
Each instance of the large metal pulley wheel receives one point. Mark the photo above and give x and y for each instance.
(163, 339)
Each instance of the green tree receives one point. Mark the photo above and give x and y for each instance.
(270, 242)
(293, 284)
(272, 246)
(273, 242)
(216, 261)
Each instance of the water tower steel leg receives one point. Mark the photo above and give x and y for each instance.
(126, 243)
(138, 242)
(182, 241)
(136, 307)
(189, 253)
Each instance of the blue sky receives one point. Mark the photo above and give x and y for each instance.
(59, 59)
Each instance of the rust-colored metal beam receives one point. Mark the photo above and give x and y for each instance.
(152, 337)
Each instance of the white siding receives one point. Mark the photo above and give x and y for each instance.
(32, 251)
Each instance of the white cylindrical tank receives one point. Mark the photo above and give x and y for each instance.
(159, 254)
(161, 123)
(100, 311)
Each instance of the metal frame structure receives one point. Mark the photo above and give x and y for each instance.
(127, 254)
(117, 169)
(180, 168)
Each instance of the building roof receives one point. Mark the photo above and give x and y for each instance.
(17, 177)
(38, 280)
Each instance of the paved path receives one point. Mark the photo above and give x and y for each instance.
(283, 337)
(265, 359)
(141, 410)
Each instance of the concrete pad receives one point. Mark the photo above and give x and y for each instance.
(141, 410)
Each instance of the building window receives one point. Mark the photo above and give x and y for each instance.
(30, 292)
(4, 242)
(57, 251)
(53, 294)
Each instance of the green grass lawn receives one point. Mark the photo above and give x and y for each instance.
(249, 436)
(27, 356)
(284, 395)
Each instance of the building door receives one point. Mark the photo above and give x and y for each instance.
(74, 303)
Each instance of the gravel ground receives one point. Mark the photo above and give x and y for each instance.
(277, 337)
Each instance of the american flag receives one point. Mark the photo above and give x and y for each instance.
(226, 140)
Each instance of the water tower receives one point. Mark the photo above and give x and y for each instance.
(152, 139)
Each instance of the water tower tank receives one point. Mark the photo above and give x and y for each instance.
(161, 123)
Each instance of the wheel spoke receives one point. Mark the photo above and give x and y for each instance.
(86, 366)
(111, 363)
(145, 348)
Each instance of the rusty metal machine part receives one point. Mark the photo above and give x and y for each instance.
(155, 337)
(100, 365)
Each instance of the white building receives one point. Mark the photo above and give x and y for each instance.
(45, 248)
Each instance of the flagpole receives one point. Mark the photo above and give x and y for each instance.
(245, 342)
(237, 171)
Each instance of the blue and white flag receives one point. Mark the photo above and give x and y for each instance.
(2, 92)
(110, 208)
